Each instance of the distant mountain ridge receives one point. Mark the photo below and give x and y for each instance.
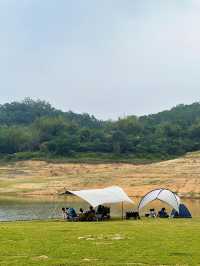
(37, 127)
(27, 111)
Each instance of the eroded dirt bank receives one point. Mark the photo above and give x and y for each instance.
(41, 178)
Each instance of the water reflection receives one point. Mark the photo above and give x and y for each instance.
(28, 209)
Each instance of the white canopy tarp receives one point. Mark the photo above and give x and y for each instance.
(164, 195)
(97, 197)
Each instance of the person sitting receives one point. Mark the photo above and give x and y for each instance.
(92, 210)
(90, 214)
(152, 213)
(162, 213)
(81, 215)
(100, 209)
(81, 211)
(102, 212)
(71, 214)
(64, 213)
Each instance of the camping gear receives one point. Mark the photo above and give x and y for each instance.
(183, 212)
(95, 197)
(164, 195)
(103, 213)
(132, 215)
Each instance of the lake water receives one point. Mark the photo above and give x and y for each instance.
(12, 209)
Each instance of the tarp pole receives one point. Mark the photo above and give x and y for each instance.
(122, 210)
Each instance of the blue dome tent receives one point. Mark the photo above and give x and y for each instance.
(183, 212)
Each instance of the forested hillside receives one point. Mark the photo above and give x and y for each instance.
(35, 127)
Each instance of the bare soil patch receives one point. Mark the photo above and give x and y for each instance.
(35, 178)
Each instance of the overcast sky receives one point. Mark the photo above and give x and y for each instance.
(109, 58)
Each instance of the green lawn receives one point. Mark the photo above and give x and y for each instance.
(59, 243)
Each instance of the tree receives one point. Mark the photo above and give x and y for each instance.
(63, 145)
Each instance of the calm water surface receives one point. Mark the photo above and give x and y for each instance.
(12, 209)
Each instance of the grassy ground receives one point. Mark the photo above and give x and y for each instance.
(85, 157)
(57, 243)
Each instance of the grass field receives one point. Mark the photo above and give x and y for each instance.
(59, 243)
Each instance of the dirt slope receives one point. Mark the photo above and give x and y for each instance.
(41, 178)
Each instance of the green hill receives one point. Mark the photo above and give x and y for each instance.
(34, 128)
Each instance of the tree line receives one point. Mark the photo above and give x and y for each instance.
(35, 126)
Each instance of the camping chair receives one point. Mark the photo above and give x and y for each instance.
(133, 215)
(87, 217)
